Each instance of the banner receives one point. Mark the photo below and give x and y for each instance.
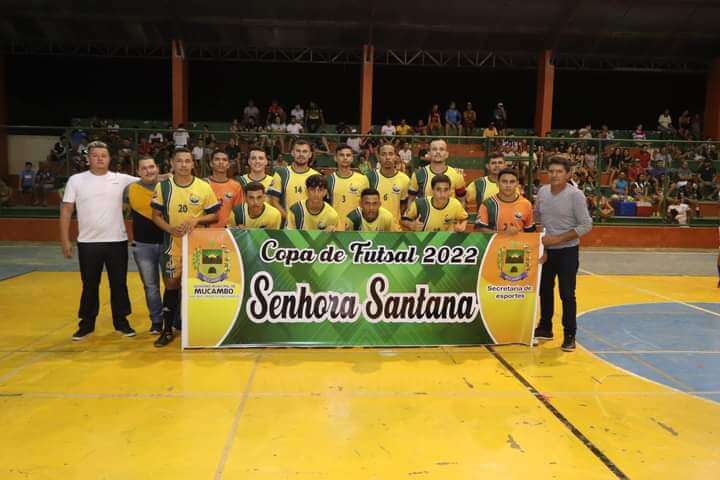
(314, 288)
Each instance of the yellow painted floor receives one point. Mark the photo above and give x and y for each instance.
(117, 408)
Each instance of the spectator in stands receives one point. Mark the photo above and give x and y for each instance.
(639, 133)
(198, 155)
(585, 132)
(696, 127)
(251, 111)
(605, 208)
(434, 121)
(405, 155)
(613, 161)
(206, 136)
(403, 129)
(315, 118)
(26, 183)
(665, 123)
(77, 136)
(276, 110)
(294, 128)
(684, 173)
(678, 211)
(490, 131)
(364, 163)
(590, 160)
(620, 187)
(452, 120)
(421, 128)
(156, 137)
(388, 131)
(277, 127)
(634, 170)
(233, 152)
(181, 137)
(707, 173)
(125, 156)
(298, 113)
(606, 133)
(644, 157)
(469, 120)
(60, 149)
(499, 117)
(234, 129)
(684, 121)
(144, 147)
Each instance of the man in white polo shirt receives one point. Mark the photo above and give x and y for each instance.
(97, 195)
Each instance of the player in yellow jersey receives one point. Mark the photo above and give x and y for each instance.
(392, 185)
(439, 213)
(179, 205)
(345, 185)
(370, 216)
(507, 211)
(421, 180)
(288, 185)
(255, 212)
(314, 213)
(257, 159)
(228, 191)
(485, 187)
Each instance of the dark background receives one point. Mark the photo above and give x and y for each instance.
(52, 90)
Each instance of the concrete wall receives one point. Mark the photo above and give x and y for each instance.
(28, 148)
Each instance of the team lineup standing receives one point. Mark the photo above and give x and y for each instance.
(299, 197)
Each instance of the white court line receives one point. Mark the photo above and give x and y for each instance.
(655, 294)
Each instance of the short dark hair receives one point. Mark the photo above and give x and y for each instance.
(28, 163)
(217, 151)
(255, 187)
(301, 141)
(391, 145)
(508, 171)
(368, 192)
(563, 162)
(440, 179)
(316, 181)
(256, 149)
(181, 150)
(495, 154)
(437, 139)
(343, 146)
(145, 157)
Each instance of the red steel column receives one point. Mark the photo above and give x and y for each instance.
(179, 84)
(712, 102)
(366, 89)
(544, 99)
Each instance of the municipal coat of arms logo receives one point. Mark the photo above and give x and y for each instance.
(211, 264)
(514, 262)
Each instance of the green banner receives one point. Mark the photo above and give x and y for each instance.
(313, 288)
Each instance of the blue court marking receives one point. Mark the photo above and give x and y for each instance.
(669, 343)
(10, 271)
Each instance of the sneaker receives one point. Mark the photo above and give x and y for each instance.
(126, 331)
(82, 334)
(543, 333)
(155, 329)
(568, 344)
(164, 339)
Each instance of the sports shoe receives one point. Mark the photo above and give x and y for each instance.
(155, 329)
(82, 334)
(126, 331)
(543, 333)
(568, 344)
(164, 339)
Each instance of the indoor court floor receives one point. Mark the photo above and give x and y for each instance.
(640, 398)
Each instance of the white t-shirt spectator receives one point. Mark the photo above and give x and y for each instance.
(388, 130)
(664, 121)
(405, 156)
(294, 128)
(98, 200)
(277, 127)
(197, 153)
(156, 137)
(114, 128)
(298, 113)
(681, 210)
(354, 144)
(181, 137)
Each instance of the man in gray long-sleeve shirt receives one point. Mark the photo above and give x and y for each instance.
(562, 210)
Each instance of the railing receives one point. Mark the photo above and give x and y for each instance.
(592, 157)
